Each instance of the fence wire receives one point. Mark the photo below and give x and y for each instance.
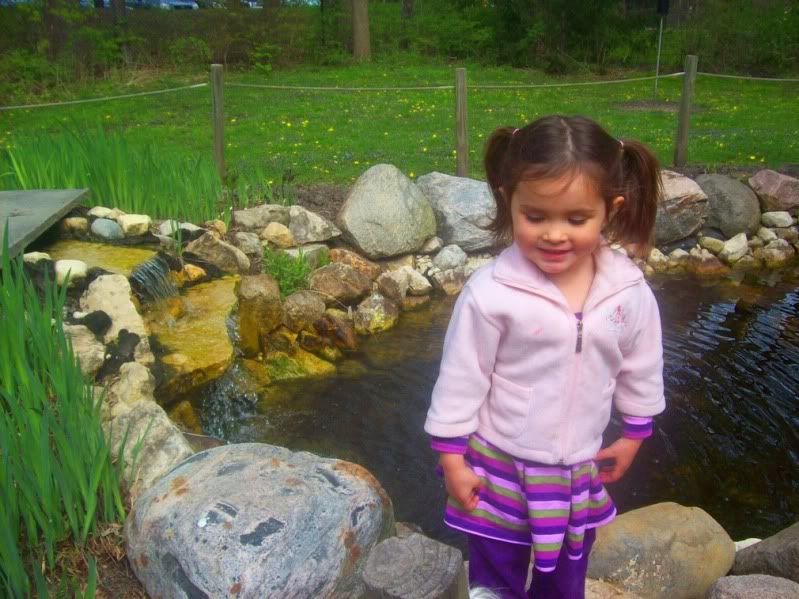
(333, 133)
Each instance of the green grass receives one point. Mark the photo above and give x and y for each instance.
(333, 137)
(139, 179)
(57, 482)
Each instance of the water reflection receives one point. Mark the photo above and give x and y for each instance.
(727, 443)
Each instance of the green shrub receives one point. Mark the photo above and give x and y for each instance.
(290, 273)
(189, 50)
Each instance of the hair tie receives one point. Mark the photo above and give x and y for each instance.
(515, 131)
(621, 143)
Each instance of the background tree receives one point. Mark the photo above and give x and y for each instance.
(361, 49)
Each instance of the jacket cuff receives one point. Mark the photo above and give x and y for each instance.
(636, 427)
(449, 444)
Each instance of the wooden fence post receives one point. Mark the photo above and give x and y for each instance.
(218, 118)
(684, 117)
(461, 131)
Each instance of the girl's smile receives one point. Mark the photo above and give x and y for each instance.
(557, 223)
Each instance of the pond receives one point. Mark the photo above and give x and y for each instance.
(728, 442)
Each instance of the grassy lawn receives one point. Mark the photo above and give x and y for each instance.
(332, 137)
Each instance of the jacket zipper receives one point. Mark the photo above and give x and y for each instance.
(575, 377)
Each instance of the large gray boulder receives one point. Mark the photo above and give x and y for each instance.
(663, 550)
(777, 555)
(733, 206)
(254, 521)
(385, 214)
(682, 209)
(753, 586)
(463, 208)
(776, 191)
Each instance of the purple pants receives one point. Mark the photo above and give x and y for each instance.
(502, 567)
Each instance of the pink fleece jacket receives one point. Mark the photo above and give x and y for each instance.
(520, 368)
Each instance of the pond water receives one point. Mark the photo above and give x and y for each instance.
(728, 442)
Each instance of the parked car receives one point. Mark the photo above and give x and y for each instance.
(164, 4)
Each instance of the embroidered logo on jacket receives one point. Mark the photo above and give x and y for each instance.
(617, 319)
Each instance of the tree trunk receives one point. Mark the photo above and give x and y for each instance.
(361, 50)
(407, 9)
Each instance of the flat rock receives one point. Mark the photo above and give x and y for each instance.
(255, 219)
(253, 521)
(758, 586)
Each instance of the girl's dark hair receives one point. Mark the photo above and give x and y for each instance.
(561, 145)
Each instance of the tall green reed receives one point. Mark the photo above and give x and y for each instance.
(136, 179)
(57, 481)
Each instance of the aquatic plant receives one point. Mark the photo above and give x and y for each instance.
(290, 273)
(136, 179)
(57, 480)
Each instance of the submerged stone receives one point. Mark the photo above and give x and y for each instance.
(200, 337)
(116, 259)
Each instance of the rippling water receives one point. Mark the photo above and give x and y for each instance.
(727, 443)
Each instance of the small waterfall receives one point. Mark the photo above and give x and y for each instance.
(151, 279)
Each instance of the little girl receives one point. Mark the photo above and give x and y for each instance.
(541, 343)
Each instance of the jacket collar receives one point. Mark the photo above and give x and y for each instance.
(614, 272)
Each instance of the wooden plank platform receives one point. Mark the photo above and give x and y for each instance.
(31, 213)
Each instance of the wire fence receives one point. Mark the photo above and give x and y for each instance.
(333, 133)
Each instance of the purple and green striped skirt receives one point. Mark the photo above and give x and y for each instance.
(529, 503)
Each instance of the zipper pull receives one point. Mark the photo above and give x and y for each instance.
(579, 347)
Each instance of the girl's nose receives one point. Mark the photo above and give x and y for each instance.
(554, 235)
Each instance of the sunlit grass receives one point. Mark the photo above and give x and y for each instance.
(327, 136)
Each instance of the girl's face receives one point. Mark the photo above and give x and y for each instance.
(557, 222)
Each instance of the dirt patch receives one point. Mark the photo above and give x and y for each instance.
(655, 106)
(742, 173)
(325, 199)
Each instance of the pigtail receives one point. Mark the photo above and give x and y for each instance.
(496, 151)
(634, 222)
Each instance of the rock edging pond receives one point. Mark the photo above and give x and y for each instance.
(359, 292)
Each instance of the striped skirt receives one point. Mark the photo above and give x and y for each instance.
(529, 503)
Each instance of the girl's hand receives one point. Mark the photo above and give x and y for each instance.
(462, 484)
(621, 453)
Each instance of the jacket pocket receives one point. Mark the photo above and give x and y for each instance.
(509, 406)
